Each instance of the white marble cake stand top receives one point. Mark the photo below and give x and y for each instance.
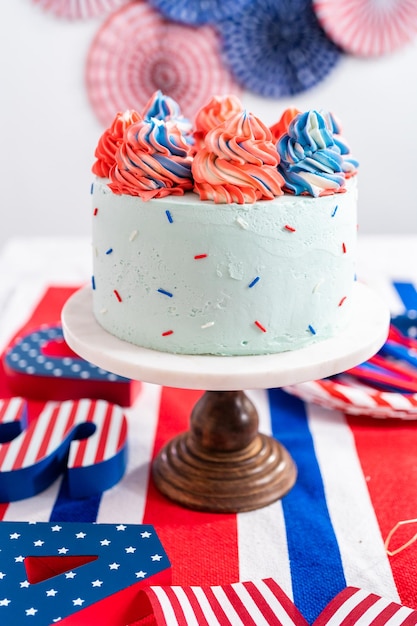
(366, 333)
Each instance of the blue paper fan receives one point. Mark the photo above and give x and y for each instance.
(277, 48)
(199, 11)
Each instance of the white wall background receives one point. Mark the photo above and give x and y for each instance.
(48, 131)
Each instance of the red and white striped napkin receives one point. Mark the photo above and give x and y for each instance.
(263, 603)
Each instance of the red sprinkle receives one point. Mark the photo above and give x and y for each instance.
(342, 301)
(344, 248)
(95, 211)
(259, 325)
(200, 256)
(290, 228)
(167, 332)
(117, 294)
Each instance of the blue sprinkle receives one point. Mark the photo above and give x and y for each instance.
(92, 188)
(165, 293)
(311, 329)
(169, 216)
(253, 283)
(334, 210)
(93, 282)
(109, 251)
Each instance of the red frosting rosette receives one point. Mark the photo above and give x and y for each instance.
(238, 162)
(215, 112)
(153, 161)
(110, 141)
(280, 128)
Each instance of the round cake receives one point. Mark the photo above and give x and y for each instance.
(226, 237)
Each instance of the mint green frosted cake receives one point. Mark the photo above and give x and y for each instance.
(244, 245)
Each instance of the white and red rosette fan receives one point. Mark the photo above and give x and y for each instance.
(79, 9)
(368, 27)
(137, 52)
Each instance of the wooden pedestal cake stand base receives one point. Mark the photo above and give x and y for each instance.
(223, 464)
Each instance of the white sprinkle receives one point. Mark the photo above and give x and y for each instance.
(242, 222)
(103, 310)
(317, 287)
(133, 235)
(208, 325)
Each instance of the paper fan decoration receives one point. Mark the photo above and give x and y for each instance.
(199, 11)
(368, 27)
(356, 399)
(277, 48)
(137, 52)
(80, 9)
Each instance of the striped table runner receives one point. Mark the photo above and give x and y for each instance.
(356, 481)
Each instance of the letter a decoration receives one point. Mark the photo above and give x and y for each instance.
(77, 574)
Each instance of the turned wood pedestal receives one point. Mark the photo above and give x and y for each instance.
(223, 464)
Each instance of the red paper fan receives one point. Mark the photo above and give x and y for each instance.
(137, 51)
(368, 27)
(80, 9)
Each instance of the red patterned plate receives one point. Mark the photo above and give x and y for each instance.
(345, 394)
(137, 51)
(368, 27)
(79, 9)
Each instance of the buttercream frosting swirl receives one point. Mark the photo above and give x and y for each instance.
(311, 160)
(350, 165)
(238, 162)
(281, 127)
(216, 111)
(163, 107)
(110, 140)
(152, 161)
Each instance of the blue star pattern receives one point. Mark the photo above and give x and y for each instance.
(126, 555)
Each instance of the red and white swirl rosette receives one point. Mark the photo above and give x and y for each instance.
(79, 9)
(137, 52)
(368, 27)
(356, 398)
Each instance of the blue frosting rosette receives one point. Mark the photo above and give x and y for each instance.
(277, 48)
(199, 11)
(311, 159)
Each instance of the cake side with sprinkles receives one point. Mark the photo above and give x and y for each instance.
(272, 270)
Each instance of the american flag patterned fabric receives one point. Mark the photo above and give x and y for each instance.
(263, 603)
(356, 481)
(357, 606)
(260, 603)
